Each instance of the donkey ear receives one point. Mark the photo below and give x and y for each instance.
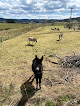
(36, 56)
(41, 58)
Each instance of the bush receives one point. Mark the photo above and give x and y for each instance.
(50, 103)
(10, 21)
(69, 25)
(78, 101)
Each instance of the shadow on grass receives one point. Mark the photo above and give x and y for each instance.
(27, 91)
(57, 40)
(29, 45)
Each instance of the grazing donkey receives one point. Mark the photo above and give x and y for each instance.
(58, 29)
(38, 70)
(60, 36)
(32, 39)
(52, 29)
(55, 28)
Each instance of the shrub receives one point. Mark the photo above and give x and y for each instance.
(78, 101)
(69, 25)
(1, 104)
(50, 103)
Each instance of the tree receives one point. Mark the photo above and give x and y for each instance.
(10, 21)
(53, 22)
(69, 25)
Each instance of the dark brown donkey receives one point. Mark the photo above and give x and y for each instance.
(38, 70)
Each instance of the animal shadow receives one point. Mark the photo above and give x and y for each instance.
(29, 45)
(27, 91)
(58, 40)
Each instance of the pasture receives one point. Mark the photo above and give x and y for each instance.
(8, 30)
(16, 57)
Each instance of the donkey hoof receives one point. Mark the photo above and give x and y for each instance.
(36, 89)
(39, 88)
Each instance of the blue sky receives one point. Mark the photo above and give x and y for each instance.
(39, 9)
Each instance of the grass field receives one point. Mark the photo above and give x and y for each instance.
(15, 68)
(9, 30)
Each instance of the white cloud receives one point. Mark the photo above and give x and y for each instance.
(28, 1)
(57, 9)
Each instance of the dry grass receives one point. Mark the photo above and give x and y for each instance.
(16, 58)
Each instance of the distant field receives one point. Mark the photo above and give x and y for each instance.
(5, 26)
(9, 30)
(16, 57)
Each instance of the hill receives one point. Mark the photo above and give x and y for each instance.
(39, 20)
(26, 20)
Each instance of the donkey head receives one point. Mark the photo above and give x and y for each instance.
(37, 63)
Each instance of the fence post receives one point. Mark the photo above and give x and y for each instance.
(8, 36)
(16, 34)
(13, 35)
(1, 39)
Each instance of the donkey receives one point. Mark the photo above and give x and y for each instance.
(52, 29)
(32, 39)
(37, 68)
(60, 36)
(58, 29)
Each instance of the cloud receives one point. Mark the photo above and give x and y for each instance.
(56, 9)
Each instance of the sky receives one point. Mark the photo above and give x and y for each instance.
(39, 9)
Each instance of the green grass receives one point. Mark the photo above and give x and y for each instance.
(50, 103)
(6, 92)
(5, 26)
(64, 98)
(1, 104)
(59, 101)
(78, 101)
(59, 24)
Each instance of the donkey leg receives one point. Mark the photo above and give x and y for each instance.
(29, 42)
(39, 83)
(36, 83)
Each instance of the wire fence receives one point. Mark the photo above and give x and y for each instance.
(9, 34)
